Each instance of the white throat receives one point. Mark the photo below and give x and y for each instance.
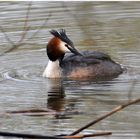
(53, 70)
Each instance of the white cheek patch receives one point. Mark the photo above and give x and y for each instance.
(63, 47)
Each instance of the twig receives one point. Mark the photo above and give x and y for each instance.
(23, 33)
(118, 108)
(6, 36)
(33, 112)
(32, 136)
(80, 136)
(27, 136)
(46, 20)
(25, 28)
(21, 42)
(11, 49)
(30, 111)
(16, 46)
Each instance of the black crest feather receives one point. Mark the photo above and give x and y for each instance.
(62, 35)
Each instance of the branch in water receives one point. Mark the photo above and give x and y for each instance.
(21, 42)
(118, 108)
(46, 20)
(26, 27)
(6, 36)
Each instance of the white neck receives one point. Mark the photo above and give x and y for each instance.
(53, 70)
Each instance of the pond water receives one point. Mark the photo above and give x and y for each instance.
(110, 27)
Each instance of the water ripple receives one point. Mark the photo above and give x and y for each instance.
(113, 26)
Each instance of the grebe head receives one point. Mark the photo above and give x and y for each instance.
(59, 45)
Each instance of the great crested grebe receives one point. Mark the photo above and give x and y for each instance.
(75, 64)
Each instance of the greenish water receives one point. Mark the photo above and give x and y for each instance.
(111, 27)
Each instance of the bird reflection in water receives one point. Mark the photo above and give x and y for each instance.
(56, 95)
(56, 100)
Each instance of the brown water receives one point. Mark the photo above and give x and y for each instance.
(111, 27)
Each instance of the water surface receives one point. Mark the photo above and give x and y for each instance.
(110, 27)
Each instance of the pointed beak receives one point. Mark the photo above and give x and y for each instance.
(74, 50)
